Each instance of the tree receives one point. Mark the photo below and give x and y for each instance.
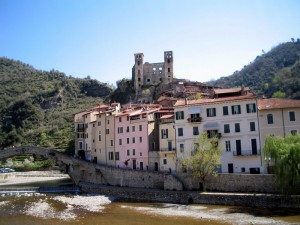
(205, 159)
(284, 154)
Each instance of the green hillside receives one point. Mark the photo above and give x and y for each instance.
(37, 107)
(275, 73)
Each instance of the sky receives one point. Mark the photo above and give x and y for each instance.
(98, 38)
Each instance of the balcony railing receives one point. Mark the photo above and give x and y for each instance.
(246, 153)
(80, 129)
(167, 149)
(194, 120)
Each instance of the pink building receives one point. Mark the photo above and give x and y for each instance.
(133, 138)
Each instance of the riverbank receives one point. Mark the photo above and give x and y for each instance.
(125, 194)
(32, 177)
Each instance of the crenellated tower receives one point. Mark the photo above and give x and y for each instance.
(137, 73)
(168, 76)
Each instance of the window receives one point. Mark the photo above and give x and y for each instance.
(225, 111)
(294, 132)
(243, 170)
(120, 130)
(292, 116)
(252, 126)
(237, 127)
(165, 161)
(140, 127)
(238, 146)
(117, 156)
(128, 152)
(212, 133)
(141, 154)
(133, 151)
(270, 118)
(195, 131)
(107, 121)
(141, 139)
(120, 141)
(251, 108)
(226, 128)
(111, 142)
(254, 146)
(111, 156)
(169, 70)
(80, 145)
(93, 125)
(181, 147)
(120, 119)
(228, 146)
(133, 140)
(179, 115)
(127, 140)
(127, 118)
(99, 123)
(107, 131)
(99, 137)
(211, 112)
(180, 132)
(133, 128)
(127, 129)
(236, 109)
(164, 133)
(195, 117)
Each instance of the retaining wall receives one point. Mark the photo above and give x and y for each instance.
(261, 183)
(187, 197)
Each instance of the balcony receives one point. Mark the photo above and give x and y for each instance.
(80, 129)
(167, 149)
(194, 120)
(246, 153)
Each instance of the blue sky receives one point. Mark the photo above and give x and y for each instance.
(209, 39)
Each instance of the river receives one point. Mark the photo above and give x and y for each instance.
(50, 209)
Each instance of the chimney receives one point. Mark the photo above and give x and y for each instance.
(185, 101)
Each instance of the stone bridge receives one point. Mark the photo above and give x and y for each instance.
(88, 172)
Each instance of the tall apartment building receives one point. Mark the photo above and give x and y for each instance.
(144, 74)
(232, 117)
(167, 144)
(134, 130)
(95, 133)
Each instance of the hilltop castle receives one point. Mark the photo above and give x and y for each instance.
(144, 74)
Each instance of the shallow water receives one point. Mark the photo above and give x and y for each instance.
(34, 209)
(50, 209)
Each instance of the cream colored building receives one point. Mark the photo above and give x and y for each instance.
(167, 143)
(232, 117)
(95, 133)
(279, 117)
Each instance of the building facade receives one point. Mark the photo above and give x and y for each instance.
(233, 120)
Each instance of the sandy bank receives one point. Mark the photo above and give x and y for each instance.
(34, 176)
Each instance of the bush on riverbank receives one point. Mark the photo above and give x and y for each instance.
(28, 163)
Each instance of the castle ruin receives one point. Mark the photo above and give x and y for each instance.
(146, 74)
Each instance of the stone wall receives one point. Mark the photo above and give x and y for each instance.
(187, 197)
(260, 183)
(94, 173)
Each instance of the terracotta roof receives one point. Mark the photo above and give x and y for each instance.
(213, 100)
(230, 90)
(167, 116)
(277, 103)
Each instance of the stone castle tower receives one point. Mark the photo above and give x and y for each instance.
(144, 74)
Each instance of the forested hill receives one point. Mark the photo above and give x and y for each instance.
(273, 74)
(37, 107)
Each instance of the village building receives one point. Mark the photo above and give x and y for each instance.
(167, 144)
(232, 118)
